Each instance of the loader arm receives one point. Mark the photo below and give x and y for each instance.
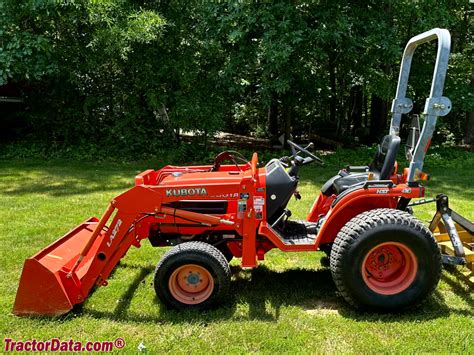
(64, 273)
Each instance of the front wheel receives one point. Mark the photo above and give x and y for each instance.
(385, 259)
(192, 275)
(224, 249)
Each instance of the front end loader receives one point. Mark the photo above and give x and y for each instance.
(381, 256)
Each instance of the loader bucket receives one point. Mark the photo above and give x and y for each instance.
(47, 287)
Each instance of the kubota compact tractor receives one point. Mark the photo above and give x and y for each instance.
(381, 256)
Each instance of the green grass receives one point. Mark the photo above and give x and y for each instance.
(288, 304)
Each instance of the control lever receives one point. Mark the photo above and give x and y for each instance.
(286, 213)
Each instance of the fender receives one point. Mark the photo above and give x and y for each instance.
(359, 200)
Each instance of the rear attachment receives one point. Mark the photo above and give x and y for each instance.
(454, 234)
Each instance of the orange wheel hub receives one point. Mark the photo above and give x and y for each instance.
(389, 268)
(191, 284)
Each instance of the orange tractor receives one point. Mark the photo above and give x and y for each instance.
(381, 256)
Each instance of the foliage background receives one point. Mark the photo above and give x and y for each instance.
(134, 75)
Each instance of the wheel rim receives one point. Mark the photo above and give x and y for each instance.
(389, 268)
(191, 284)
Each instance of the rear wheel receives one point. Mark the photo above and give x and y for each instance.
(193, 275)
(385, 259)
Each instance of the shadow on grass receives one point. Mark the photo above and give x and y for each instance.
(461, 285)
(265, 292)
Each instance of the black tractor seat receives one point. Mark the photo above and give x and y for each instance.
(345, 182)
(381, 168)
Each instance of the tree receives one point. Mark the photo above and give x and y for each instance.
(136, 76)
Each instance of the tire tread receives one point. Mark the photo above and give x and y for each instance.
(364, 222)
(203, 249)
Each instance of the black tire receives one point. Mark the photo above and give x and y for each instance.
(224, 249)
(360, 239)
(326, 248)
(193, 253)
(326, 260)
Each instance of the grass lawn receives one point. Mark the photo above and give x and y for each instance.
(288, 304)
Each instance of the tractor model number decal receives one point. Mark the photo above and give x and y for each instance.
(114, 233)
(186, 192)
(229, 195)
(382, 191)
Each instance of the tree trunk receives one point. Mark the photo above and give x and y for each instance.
(342, 102)
(332, 81)
(469, 130)
(378, 117)
(287, 110)
(272, 118)
(356, 108)
(163, 116)
(206, 139)
(366, 112)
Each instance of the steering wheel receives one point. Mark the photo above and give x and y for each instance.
(310, 157)
(231, 155)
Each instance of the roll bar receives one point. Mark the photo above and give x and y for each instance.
(436, 104)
